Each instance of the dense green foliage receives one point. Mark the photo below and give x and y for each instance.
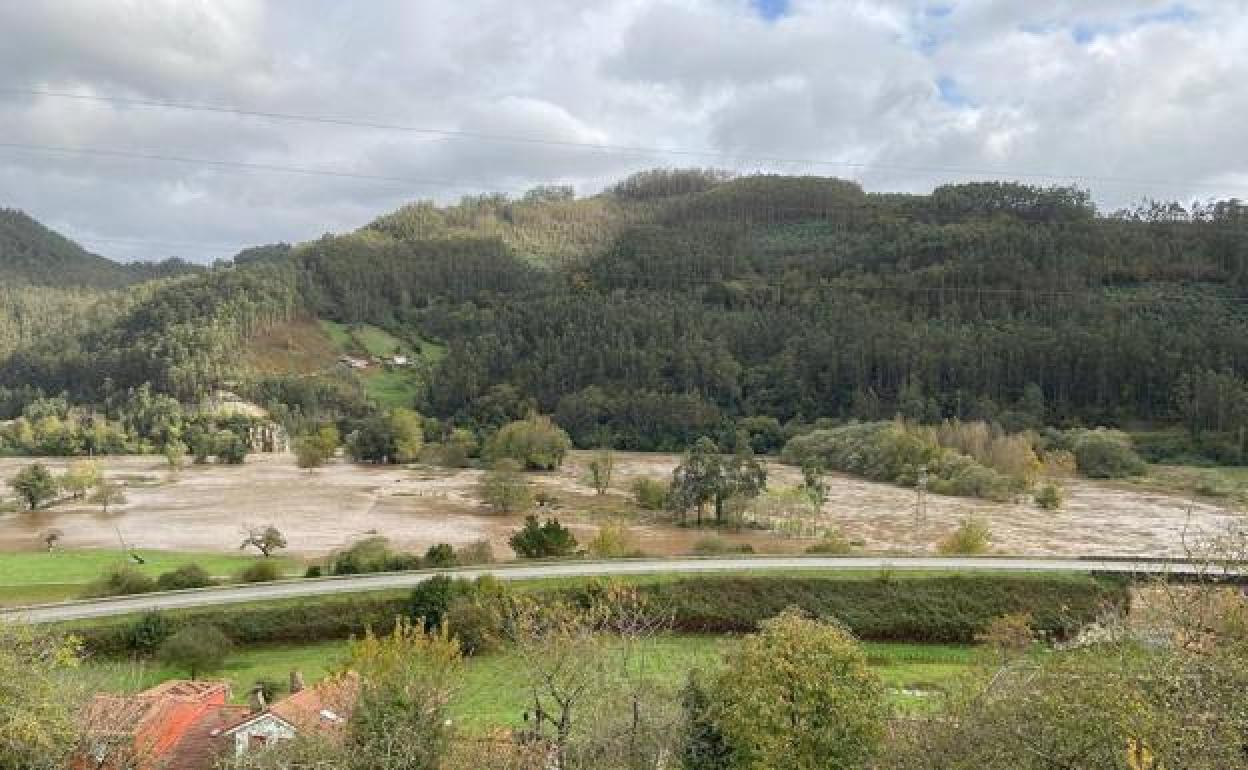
(683, 304)
(921, 609)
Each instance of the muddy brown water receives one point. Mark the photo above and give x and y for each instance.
(206, 508)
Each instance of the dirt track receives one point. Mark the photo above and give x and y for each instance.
(205, 508)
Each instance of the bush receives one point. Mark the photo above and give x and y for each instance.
(188, 576)
(543, 541)
(260, 572)
(535, 443)
(480, 552)
(121, 580)
(714, 545)
(614, 541)
(920, 609)
(372, 554)
(831, 544)
(431, 598)
(650, 494)
(1107, 454)
(198, 649)
(505, 489)
(1050, 497)
(477, 614)
(972, 537)
(314, 571)
(440, 556)
(894, 451)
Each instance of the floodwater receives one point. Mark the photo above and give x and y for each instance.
(206, 508)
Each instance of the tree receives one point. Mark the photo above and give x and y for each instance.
(109, 493)
(315, 449)
(430, 600)
(392, 437)
(536, 443)
(798, 695)
(601, 468)
(505, 489)
(80, 477)
(35, 485)
(439, 556)
(51, 537)
(201, 443)
(704, 476)
(406, 684)
(40, 697)
(543, 541)
(266, 540)
(199, 649)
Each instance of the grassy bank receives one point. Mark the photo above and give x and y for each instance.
(35, 576)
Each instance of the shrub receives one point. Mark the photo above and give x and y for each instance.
(614, 541)
(918, 609)
(372, 554)
(480, 552)
(714, 545)
(505, 489)
(229, 447)
(314, 571)
(260, 572)
(188, 576)
(198, 649)
(439, 556)
(536, 443)
(431, 598)
(970, 538)
(831, 544)
(650, 494)
(477, 614)
(1107, 454)
(121, 580)
(149, 632)
(1050, 497)
(543, 541)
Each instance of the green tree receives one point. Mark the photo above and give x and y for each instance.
(704, 476)
(431, 598)
(315, 449)
(198, 649)
(266, 540)
(798, 695)
(505, 489)
(536, 443)
(175, 452)
(35, 485)
(40, 697)
(80, 477)
(229, 447)
(543, 541)
(201, 443)
(393, 437)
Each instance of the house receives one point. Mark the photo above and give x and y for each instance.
(398, 360)
(191, 725)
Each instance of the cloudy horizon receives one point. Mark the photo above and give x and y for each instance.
(1131, 100)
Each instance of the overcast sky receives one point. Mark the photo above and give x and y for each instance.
(1131, 99)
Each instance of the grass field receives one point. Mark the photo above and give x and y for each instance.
(30, 577)
(388, 387)
(493, 691)
(1223, 482)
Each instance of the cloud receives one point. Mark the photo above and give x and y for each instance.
(1134, 98)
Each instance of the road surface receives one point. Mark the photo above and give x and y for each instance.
(286, 589)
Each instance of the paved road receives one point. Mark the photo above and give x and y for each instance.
(95, 608)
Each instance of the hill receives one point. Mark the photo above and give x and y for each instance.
(677, 304)
(31, 254)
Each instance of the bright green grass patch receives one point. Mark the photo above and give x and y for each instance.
(34, 568)
(42, 593)
(392, 387)
(493, 690)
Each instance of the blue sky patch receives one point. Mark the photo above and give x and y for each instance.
(771, 9)
(951, 92)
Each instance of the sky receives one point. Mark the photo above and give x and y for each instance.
(1132, 100)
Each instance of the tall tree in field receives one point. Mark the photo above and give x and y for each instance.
(266, 540)
(35, 485)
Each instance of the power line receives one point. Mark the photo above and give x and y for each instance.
(457, 134)
(302, 170)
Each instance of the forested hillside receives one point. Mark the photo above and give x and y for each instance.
(31, 254)
(678, 304)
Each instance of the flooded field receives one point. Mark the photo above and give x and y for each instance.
(206, 508)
